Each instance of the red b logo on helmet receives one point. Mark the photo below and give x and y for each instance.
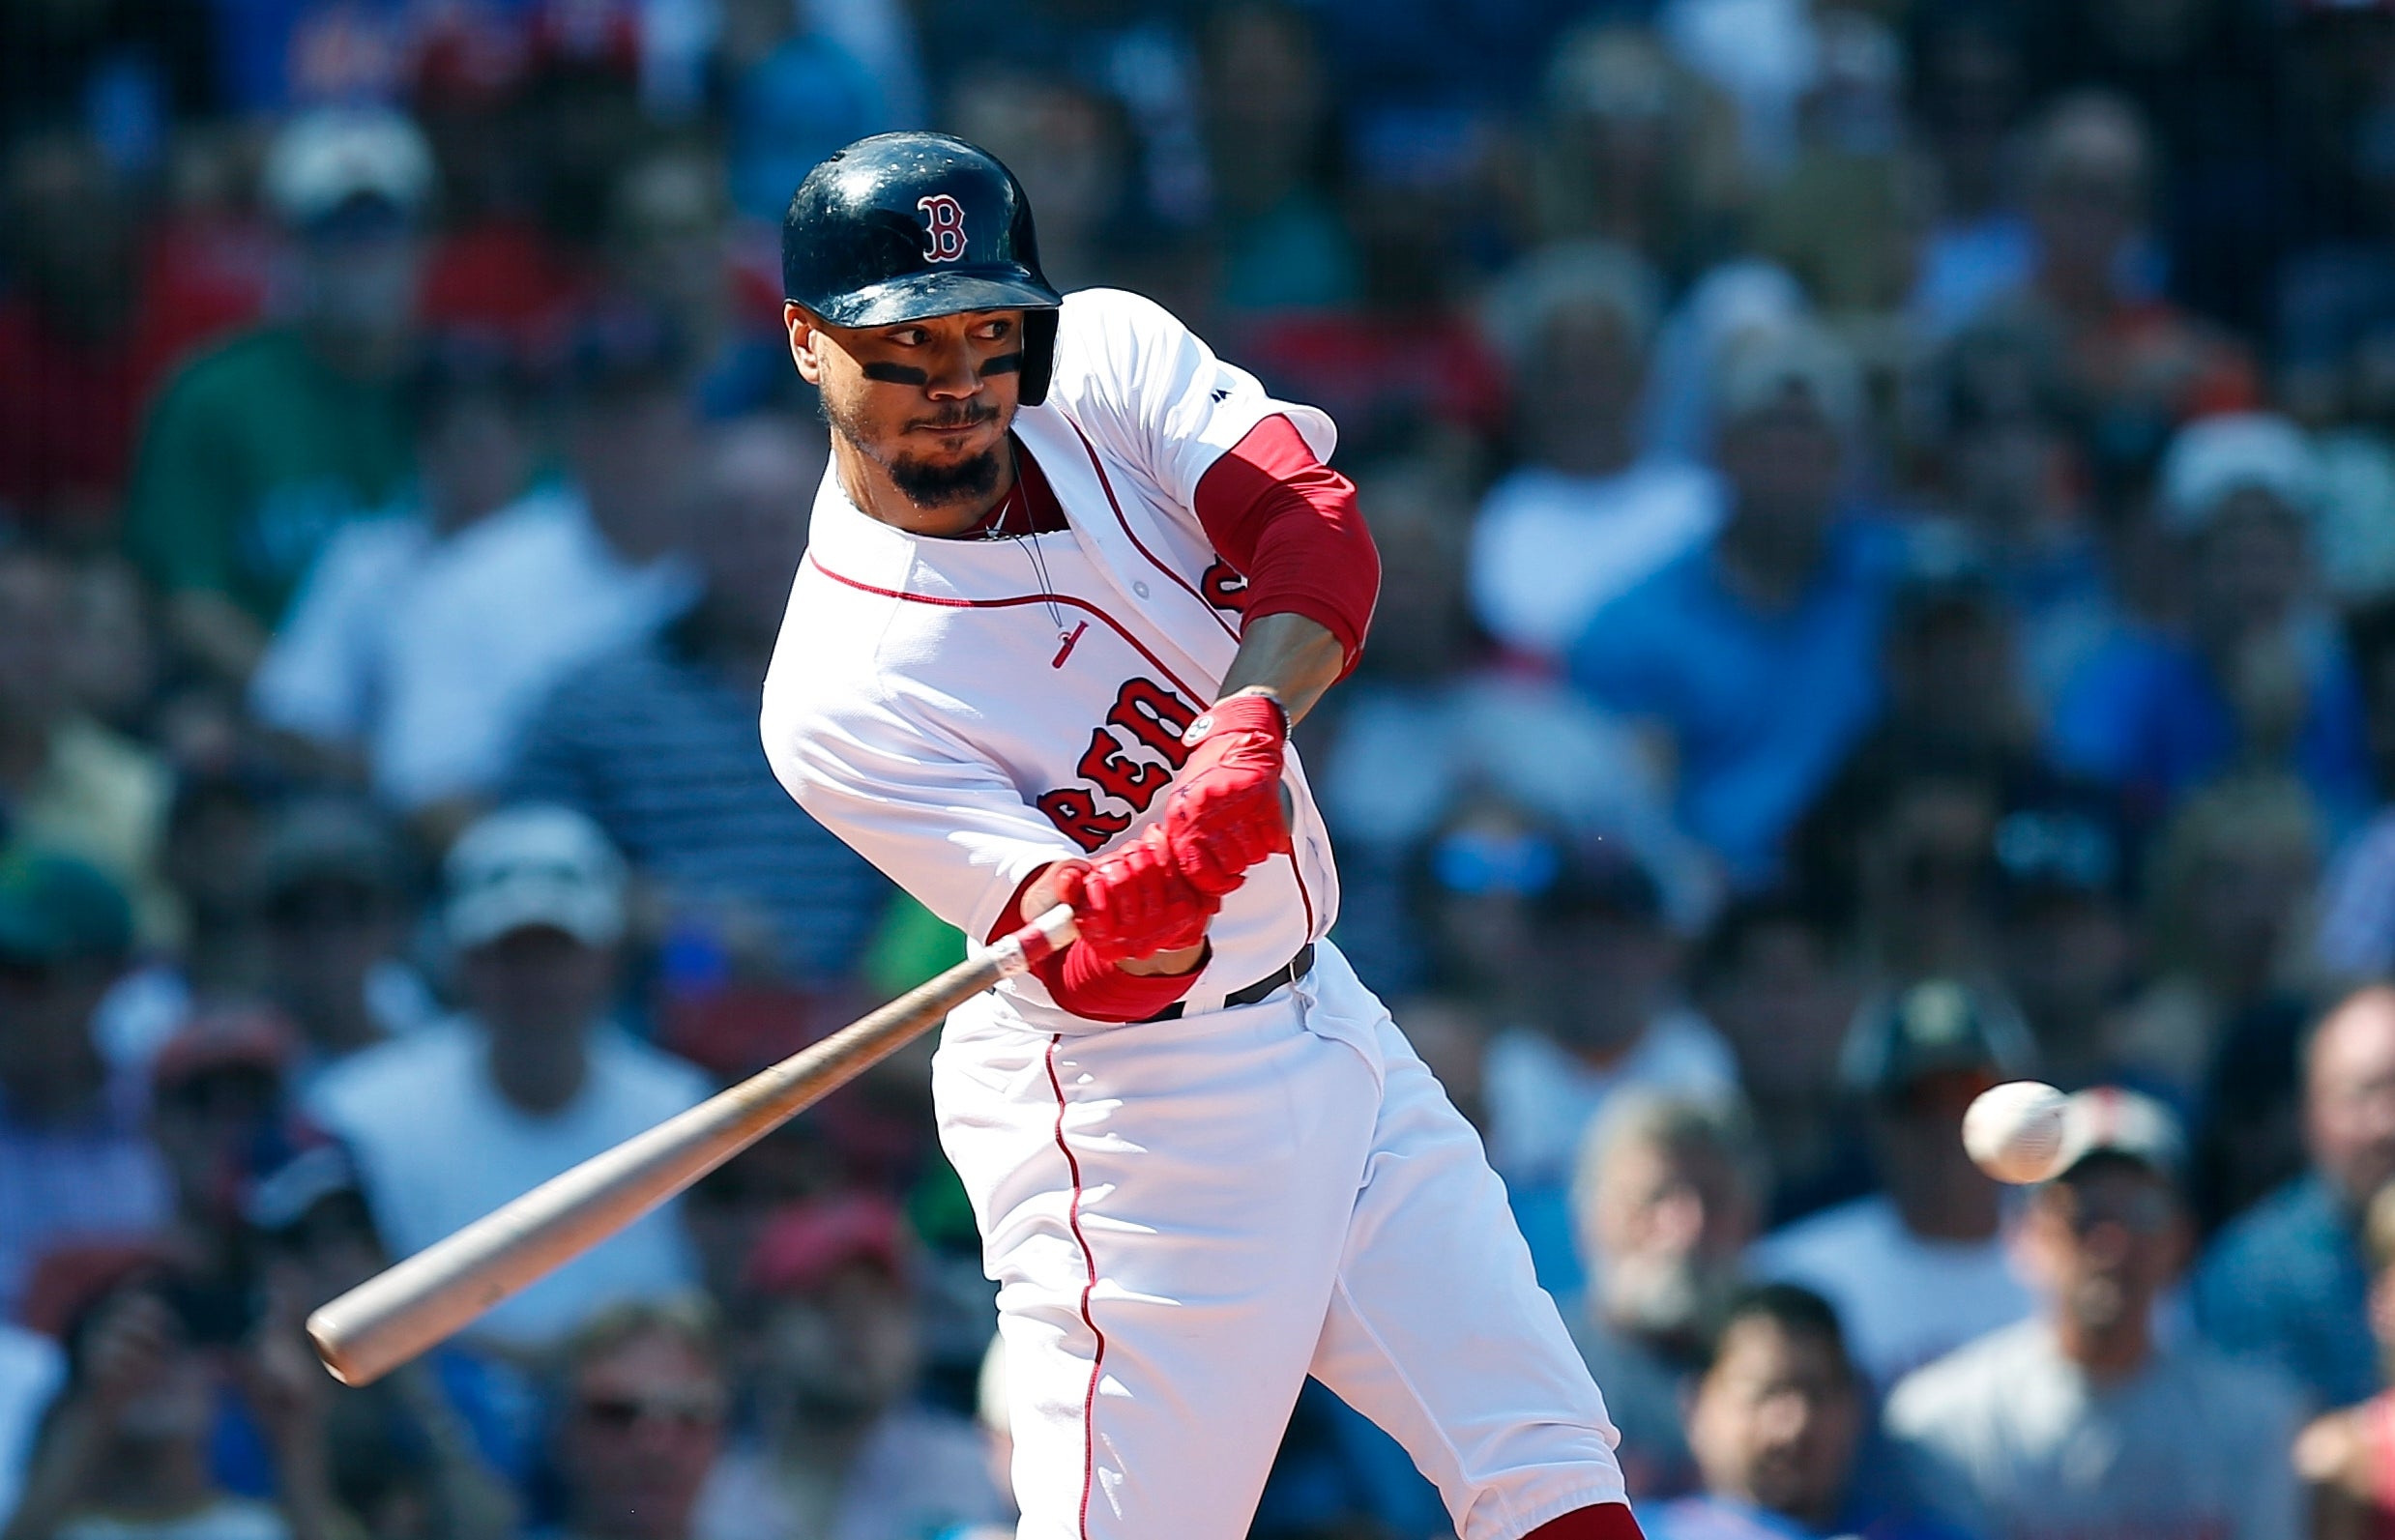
(944, 221)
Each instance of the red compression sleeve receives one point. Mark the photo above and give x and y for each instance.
(1290, 524)
(1089, 989)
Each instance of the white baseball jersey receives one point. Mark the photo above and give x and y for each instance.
(964, 711)
(1186, 1217)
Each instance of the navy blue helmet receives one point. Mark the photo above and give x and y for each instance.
(906, 226)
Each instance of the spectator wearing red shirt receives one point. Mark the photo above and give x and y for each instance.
(88, 331)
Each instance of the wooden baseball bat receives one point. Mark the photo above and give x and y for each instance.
(408, 1307)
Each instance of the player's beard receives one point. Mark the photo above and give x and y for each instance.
(928, 484)
(936, 486)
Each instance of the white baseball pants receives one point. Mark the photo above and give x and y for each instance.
(1188, 1217)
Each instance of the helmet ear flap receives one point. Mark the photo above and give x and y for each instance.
(1039, 354)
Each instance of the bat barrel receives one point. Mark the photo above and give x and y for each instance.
(410, 1306)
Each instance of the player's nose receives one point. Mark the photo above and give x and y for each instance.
(950, 374)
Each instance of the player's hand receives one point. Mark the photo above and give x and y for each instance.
(1222, 813)
(1135, 903)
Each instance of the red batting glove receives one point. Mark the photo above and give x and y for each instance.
(1135, 903)
(1224, 811)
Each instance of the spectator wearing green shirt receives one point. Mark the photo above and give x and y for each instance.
(263, 446)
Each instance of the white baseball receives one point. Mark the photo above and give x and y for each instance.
(2014, 1131)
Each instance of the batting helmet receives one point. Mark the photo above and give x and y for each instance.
(906, 226)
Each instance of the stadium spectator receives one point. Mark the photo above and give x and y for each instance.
(560, 578)
(2224, 888)
(75, 1162)
(2066, 933)
(123, 1453)
(2258, 681)
(1778, 977)
(670, 253)
(219, 1121)
(325, 675)
(2286, 1282)
(450, 1437)
(1969, 69)
(2346, 1456)
(89, 324)
(2139, 366)
(2012, 472)
(1899, 837)
(640, 1414)
(1920, 1266)
(258, 450)
(841, 1446)
(1268, 126)
(2078, 1419)
(657, 742)
(1587, 517)
(1846, 217)
(67, 781)
(1757, 651)
(1549, 1078)
(1668, 1196)
(1777, 1418)
(335, 893)
(1634, 147)
(530, 1078)
(1598, 915)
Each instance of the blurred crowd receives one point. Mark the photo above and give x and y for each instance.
(1888, 515)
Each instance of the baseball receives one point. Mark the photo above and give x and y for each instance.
(2014, 1131)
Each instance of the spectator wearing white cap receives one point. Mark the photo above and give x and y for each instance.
(2078, 1421)
(2258, 677)
(261, 449)
(529, 1079)
(1757, 651)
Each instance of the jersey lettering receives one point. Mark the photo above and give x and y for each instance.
(1075, 812)
(1155, 717)
(1224, 587)
(944, 224)
(1113, 770)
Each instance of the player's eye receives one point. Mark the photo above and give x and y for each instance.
(994, 331)
(907, 336)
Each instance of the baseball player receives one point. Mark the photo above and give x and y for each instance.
(1069, 579)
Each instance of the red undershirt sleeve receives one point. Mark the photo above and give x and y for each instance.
(1289, 525)
(1089, 989)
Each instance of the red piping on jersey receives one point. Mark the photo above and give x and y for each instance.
(1088, 1260)
(1196, 697)
(1106, 484)
(1056, 598)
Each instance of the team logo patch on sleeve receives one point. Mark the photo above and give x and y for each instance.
(944, 227)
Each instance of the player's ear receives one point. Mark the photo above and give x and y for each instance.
(806, 339)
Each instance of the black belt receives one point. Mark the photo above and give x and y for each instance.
(1290, 973)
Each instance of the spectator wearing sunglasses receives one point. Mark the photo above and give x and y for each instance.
(640, 1421)
(2078, 1420)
